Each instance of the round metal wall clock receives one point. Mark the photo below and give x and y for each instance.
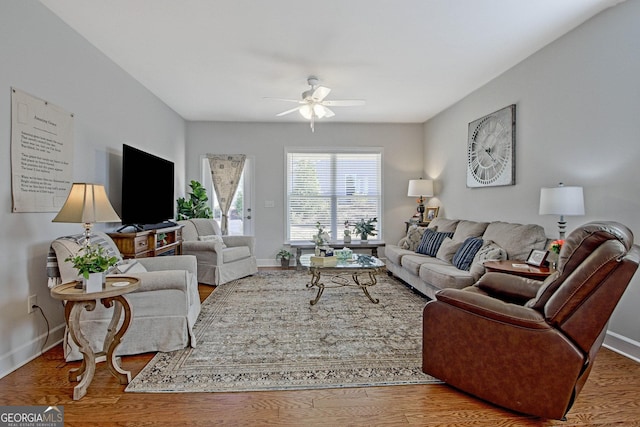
(491, 149)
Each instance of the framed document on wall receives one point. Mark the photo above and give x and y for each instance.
(41, 154)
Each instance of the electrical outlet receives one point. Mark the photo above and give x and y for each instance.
(31, 301)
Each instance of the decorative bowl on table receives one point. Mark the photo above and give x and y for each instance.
(343, 254)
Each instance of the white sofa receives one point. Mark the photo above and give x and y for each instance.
(221, 259)
(165, 307)
(428, 274)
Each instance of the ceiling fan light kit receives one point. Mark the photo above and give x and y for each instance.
(313, 105)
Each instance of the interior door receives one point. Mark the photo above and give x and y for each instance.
(241, 212)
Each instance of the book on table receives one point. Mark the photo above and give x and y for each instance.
(324, 261)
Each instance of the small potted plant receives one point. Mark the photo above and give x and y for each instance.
(284, 256)
(92, 262)
(365, 227)
(321, 239)
(554, 249)
(347, 232)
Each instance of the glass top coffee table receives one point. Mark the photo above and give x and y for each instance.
(358, 271)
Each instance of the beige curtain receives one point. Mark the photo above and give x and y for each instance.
(226, 170)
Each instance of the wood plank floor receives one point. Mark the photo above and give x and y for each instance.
(610, 397)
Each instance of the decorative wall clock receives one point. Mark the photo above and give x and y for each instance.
(491, 149)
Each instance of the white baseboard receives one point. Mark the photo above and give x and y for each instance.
(622, 345)
(29, 351)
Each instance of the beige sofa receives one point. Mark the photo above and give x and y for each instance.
(165, 307)
(428, 274)
(221, 259)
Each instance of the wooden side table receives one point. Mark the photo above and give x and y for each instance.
(419, 224)
(519, 268)
(76, 301)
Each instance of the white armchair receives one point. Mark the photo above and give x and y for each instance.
(221, 259)
(165, 306)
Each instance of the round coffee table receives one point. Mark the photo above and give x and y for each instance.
(77, 300)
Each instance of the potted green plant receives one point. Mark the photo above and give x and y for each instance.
(196, 205)
(322, 237)
(346, 233)
(365, 227)
(92, 262)
(284, 256)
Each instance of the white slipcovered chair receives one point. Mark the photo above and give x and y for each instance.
(165, 306)
(221, 259)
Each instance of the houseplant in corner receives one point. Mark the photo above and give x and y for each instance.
(92, 262)
(365, 227)
(196, 205)
(284, 256)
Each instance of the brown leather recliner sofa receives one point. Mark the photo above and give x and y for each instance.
(527, 345)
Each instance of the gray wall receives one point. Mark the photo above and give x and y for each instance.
(45, 58)
(402, 160)
(578, 122)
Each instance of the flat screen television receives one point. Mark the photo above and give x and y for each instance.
(147, 189)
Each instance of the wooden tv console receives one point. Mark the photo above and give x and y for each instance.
(149, 243)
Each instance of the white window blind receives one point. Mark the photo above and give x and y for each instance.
(331, 188)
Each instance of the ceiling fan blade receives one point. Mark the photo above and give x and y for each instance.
(306, 111)
(344, 103)
(297, 101)
(284, 113)
(320, 93)
(322, 112)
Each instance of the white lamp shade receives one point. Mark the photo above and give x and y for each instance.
(420, 188)
(88, 204)
(561, 201)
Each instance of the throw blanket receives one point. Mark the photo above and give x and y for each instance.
(53, 270)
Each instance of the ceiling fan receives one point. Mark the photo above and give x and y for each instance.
(313, 104)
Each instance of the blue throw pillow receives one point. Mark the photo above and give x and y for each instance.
(431, 244)
(421, 248)
(465, 254)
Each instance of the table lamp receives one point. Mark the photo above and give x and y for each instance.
(87, 204)
(420, 188)
(561, 201)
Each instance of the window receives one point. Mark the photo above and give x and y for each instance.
(332, 186)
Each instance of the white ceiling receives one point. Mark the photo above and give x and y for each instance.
(409, 59)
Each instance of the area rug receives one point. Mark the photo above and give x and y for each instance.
(261, 333)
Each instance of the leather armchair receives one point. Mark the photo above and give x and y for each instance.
(527, 345)
(221, 259)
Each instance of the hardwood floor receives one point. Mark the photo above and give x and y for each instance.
(610, 397)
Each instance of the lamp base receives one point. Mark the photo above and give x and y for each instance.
(421, 209)
(87, 234)
(562, 226)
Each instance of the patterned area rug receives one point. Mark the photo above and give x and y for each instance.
(261, 333)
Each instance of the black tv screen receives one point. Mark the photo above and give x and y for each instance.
(147, 189)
